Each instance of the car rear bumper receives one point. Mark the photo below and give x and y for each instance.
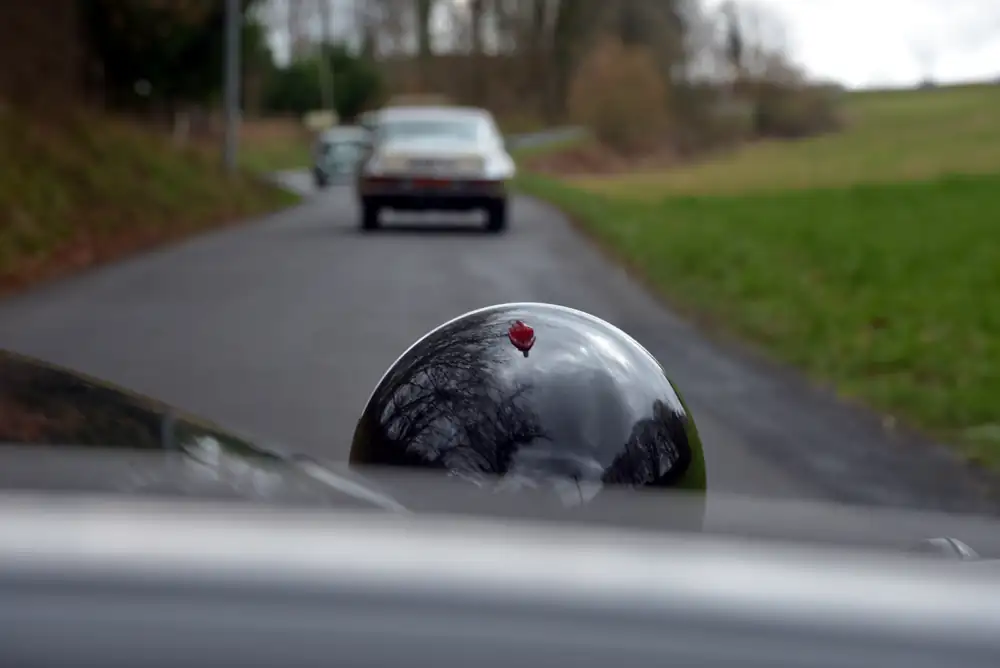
(427, 194)
(431, 203)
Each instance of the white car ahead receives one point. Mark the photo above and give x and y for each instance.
(436, 159)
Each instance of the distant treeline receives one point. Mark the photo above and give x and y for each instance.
(157, 56)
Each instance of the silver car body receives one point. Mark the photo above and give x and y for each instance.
(368, 120)
(440, 141)
(436, 158)
(87, 580)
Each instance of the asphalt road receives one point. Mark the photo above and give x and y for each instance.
(282, 327)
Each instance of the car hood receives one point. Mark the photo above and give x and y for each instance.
(65, 432)
(62, 430)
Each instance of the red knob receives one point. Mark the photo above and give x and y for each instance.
(522, 336)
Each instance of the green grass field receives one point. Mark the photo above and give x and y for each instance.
(88, 189)
(895, 136)
(870, 259)
(272, 157)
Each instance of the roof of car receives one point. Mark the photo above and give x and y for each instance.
(417, 112)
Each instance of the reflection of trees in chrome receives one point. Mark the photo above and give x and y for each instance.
(657, 452)
(43, 405)
(446, 409)
(449, 405)
(188, 433)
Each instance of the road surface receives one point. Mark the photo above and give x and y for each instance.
(282, 327)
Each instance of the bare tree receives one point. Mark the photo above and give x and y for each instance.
(925, 55)
(735, 36)
(395, 26)
(573, 29)
(741, 40)
(477, 17)
(522, 53)
(424, 10)
(324, 11)
(765, 42)
(299, 13)
(367, 15)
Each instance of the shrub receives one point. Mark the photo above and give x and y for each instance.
(619, 94)
(795, 111)
(787, 106)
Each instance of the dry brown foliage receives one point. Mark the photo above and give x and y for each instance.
(795, 111)
(275, 128)
(595, 159)
(786, 105)
(619, 94)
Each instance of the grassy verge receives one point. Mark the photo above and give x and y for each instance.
(520, 123)
(524, 155)
(271, 145)
(91, 189)
(262, 159)
(889, 290)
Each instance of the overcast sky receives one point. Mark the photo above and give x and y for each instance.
(961, 39)
(897, 42)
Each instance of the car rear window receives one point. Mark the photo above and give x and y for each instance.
(432, 127)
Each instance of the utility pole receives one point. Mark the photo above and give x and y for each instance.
(232, 83)
(325, 67)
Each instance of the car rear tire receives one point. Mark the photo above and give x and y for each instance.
(369, 216)
(320, 180)
(496, 216)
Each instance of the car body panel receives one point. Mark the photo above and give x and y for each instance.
(436, 572)
(339, 152)
(61, 430)
(64, 430)
(431, 194)
(117, 582)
